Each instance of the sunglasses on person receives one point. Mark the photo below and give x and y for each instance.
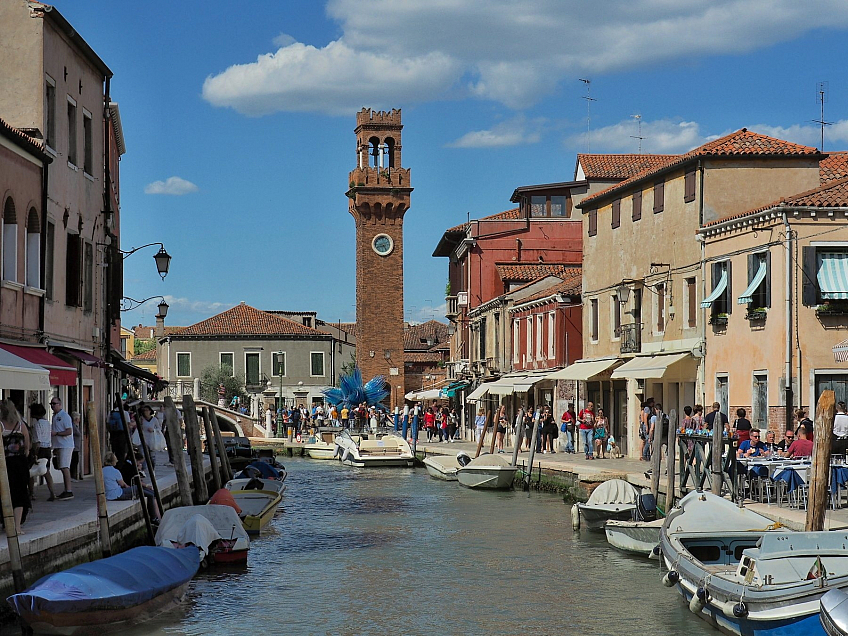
(55, 403)
(790, 435)
(757, 436)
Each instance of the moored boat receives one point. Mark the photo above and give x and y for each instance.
(387, 451)
(486, 472)
(121, 590)
(244, 483)
(322, 444)
(635, 537)
(216, 530)
(442, 467)
(834, 613)
(743, 574)
(257, 508)
(612, 500)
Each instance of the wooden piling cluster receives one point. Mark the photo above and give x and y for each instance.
(820, 469)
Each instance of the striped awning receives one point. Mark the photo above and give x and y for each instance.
(718, 291)
(477, 393)
(759, 277)
(840, 351)
(833, 275)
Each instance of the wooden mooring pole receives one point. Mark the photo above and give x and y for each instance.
(99, 484)
(483, 434)
(195, 452)
(137, 477)
(519, 435)
(656, 454)
(148, 459)
(716, 472)
(820, 470)
(175, 443)
(226, 469)
(533, 437)
(211, 448)
(671, 454)
(9, 519)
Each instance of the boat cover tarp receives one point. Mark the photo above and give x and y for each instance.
(124, 580)
(614, 491)
(488, 459)
(266, 471)
(200, 525)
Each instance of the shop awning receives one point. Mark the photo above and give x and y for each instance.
(840, 351)
(83, 356)
(451, 389)
(429, 394)
(583, 369)
(833, 275)
(759, 277)
(523, 385)
(61, 372)
(718, 291)
(649, 366)
(136, 372)
(478, 393)
(20, 374)
(506, 385)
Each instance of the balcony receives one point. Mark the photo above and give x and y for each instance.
(631, 337)
(451, 308)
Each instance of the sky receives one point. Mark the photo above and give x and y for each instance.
(239, 117)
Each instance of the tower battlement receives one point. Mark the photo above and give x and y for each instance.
(366, 117)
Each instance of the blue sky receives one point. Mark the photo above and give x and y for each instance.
(239, 119)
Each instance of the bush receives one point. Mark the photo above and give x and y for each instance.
(211, 377)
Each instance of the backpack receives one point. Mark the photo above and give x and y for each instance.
(114, 423)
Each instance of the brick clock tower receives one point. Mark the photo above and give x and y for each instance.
(378, 195)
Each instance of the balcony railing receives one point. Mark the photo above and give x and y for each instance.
(451, 307)
(631, 337)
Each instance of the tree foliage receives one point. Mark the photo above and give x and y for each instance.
(143, 345)
(212, 376)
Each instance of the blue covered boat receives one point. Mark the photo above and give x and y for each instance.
(128, 587)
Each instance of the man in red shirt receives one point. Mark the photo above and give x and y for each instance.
(801, 447)
(586, 417)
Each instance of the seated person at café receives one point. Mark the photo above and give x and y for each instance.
(801, 447)
(752, 447)
(788, 438)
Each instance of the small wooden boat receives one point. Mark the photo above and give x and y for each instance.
(388, 451)
(613, 499)
(487, 472)
(119, 591)
(244, 483)
(635, 537)
(257, 507)
(216, 530)
(442, 467)
(322, 445)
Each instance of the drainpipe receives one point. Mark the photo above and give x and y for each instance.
(42, 258)
(702, 364)
(788, 304)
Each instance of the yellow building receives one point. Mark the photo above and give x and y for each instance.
(644, 269)
(127, 343)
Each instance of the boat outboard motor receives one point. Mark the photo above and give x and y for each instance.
(463, 459)
(254, 484)
(646, 508)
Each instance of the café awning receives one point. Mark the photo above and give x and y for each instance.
(61, 373)
(20, 374)
(759, 277)
(583, 370)
(478, 393)
(645, 367)
(718, 291)
(506, 385)
(83, 356)
(451, 389)
(832, 275)
(840, 351)
(136, 372)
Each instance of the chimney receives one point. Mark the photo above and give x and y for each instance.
(160, 327)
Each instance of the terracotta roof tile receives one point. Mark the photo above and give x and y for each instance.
(145, 333)
(23, 140)
(740, 143)
(147, 356)
(514, 213)
(833, 194)
(619, 166)
(422, 356)
(570, 286)
(244, 320)
(833, 167)
(528, 272)
(430, 330)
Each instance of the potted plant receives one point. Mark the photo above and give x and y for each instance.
(833, 308)
(756, 313)
(719, 320)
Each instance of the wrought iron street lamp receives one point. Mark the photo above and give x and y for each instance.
(128, 304)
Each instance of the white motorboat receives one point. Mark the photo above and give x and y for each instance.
(322, 445)
(635, 537)
(491, 472)
(387, 451)
(834, 613)
(216, 530)
(244, 483)
(442, 467)
(612, 500)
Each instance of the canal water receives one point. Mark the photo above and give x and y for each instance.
(388, 551)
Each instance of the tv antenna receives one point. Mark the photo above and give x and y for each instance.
(821, 98)
(638, 119)
(589, 99)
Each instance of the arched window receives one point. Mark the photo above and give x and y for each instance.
(390, 150)
(10, 241)
(374, 143)
(33, 249)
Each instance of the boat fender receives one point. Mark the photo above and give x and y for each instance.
(575, 518)
(671, 578)
(699, 599)
(345, 454)
(740, 610)
(337, 451)
(655, 553)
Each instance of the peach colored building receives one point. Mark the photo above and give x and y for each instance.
(644, 275)
(780, 282)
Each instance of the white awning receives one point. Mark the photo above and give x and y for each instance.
(17, 373)
(649, 366)
(429, 394)
(832, 275)
(478, 393)
(523, 385)
(840, 351)
(506, 385)
(583, 369)
(718, 291)
(759, 277)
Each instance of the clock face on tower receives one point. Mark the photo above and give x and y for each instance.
(383, 244)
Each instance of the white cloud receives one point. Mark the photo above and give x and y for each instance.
(510, 51)
(172, 185)
(283, 40)
(515, 132)
(200, 306)
(808, 134)
(663, 136)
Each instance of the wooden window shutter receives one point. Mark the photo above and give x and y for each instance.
(616, 213)
(767, 281)
(689, 187)
(593, 222)
(728, 293)
(659, 196)
(73, 265)
(637, 205)
(809, 295)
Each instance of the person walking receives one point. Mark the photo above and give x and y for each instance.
(586, 418)
(600, 434)
(479, 424)
(500, 431)
(840, 430)
(63, 444)
(41, 426)
(569, 419)
(712, 416)
(741, 426)
(16, 444)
